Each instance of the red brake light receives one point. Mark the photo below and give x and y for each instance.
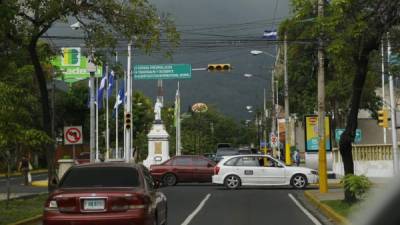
(216, 170)
(130, 201)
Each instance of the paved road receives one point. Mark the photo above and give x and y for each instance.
(246, 206)
(206, 204)
(18, 187)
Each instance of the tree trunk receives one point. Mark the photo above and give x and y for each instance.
(46, 114)
(348, 135)
(8, 180)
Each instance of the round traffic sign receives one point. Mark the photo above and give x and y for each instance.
(73, 135)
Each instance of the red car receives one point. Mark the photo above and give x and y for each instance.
(183, 168)
(104, 194)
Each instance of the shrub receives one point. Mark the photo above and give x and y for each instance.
(356, 185)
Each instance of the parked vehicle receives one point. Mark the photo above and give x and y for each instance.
(106, 193)
(186, 168)
(82, 158)
(223, 152)
(260, 170)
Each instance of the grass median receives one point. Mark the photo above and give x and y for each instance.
(20, 209)
(342, 207)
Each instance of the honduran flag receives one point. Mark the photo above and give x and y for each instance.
(270, 34)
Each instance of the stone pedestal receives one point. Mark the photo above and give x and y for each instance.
(64, 165)
(158, 145)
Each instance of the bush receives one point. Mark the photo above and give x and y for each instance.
(356, 185)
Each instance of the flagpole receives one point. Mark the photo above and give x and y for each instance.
(97, 120)
(107, 129)
(125, 109)
(116, 112)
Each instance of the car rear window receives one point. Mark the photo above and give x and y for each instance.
(101, 177)
(224, 152)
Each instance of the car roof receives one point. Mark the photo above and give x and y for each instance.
(246, 155)
(106, 164)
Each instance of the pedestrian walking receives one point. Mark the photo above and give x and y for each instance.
(24, 168)
(296, 157)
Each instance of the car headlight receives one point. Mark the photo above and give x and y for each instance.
(314, 172)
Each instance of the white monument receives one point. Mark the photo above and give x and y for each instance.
(158, 144)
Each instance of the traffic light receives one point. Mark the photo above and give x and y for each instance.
(383, 118)
(128, 120)
(219, 67)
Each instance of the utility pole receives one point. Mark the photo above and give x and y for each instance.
(288, 160)
(91, 68)
(383, 85)
(128, 108)
(393, 106)
(323, 181)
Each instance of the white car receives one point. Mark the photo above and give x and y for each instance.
(260, 170)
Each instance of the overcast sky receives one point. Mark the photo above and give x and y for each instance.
(217, 20)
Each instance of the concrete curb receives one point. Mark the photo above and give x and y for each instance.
(326, 210)
(39, 183)
(28, 221)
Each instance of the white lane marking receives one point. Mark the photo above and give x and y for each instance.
(197, 210)
(305, 211)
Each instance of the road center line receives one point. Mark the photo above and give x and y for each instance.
(305, 211)
(197, 210)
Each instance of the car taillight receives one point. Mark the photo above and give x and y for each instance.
(136, 201)
(51, 205)
(216, 170)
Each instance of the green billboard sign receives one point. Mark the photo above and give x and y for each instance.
(73, 65)
(162, 71)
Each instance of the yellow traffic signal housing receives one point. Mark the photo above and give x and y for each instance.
(383, 118)
(128, 120)
(219, 67)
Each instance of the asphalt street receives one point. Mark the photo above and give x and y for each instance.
(246, 206)
(18, 187)
(206, 204)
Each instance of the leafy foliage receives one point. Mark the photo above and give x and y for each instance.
(356, 185)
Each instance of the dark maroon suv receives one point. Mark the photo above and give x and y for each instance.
(185, 168)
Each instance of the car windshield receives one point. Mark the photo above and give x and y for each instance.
(101, 177)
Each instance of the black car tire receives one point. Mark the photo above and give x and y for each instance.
(299, 181)
(169, 179)
(232, 182)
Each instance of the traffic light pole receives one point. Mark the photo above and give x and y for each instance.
(128, 109)
(393, 118)
(288, 160)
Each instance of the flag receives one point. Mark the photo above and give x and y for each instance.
(121, 96)
(110, 83)
(270, 34)
(100, 92)
(177, 111)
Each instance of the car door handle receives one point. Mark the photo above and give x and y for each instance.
(248, 172)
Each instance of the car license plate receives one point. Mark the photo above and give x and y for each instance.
(93, 204)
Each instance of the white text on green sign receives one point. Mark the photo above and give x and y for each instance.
(162, 71)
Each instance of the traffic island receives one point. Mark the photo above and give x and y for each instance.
(317, 199)
(40, 183)
(22, 211)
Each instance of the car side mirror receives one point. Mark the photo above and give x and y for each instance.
(210, 165)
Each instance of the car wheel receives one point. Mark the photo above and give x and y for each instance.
(232, 182)
(169, 179)
(299, 181)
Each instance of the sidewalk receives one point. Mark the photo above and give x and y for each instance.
(16, 174)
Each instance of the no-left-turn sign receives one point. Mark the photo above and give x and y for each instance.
(73, 135)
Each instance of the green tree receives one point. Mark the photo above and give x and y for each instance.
(16, 129)
(353, 31)
(25, 22)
